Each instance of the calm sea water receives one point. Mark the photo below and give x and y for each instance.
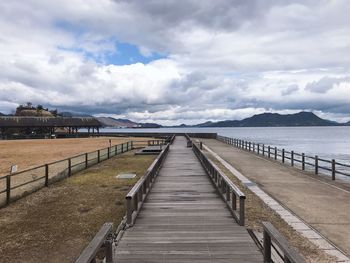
(326, 142)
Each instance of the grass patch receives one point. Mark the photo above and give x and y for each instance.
(56, 223)
(257, 211)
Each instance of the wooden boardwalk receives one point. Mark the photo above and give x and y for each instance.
(184, 220)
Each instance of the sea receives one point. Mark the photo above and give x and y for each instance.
(326, 142)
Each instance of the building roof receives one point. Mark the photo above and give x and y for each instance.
(22, 121)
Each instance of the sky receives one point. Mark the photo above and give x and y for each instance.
(177, 61)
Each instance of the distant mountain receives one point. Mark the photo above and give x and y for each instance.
(274, 120)
(1, 114)
(149, 125)
(117, 123)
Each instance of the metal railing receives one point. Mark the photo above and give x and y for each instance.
(137, 195)
(103, 238)
(299, 160)
(272, 234)
(228, 190)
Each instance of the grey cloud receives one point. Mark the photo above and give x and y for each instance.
(325, 84)
(290, 90)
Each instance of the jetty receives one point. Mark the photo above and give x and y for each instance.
(185, 209)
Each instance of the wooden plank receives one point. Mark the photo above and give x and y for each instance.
(184, 219)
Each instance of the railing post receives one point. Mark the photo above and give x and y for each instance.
(303, 161)
(109, 251)
(108, 152)
(275, 153)
(98, 156)
(123, 146)
(69, 167)
(8, 189)
(86, 160)
(268, 148)
(333, 169)
(267, 247)
(292, 158)
(129, 211)
(250, 146)
(316, 164)
(263, 149)
(46, 175)
(241, 211)
(258, 148)
(234, 201)
(282, 155)
(201, 145)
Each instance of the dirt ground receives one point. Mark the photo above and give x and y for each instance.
(257, 212)
(56, 223)
(30, 153)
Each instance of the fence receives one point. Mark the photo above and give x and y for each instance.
(299, 160)
(229, 192)
(17, 185)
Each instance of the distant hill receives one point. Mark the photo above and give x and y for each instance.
(149, 125)
(117, 123)
(274, 120)
(1, 114)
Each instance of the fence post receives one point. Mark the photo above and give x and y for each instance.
(258, 148)
(333, 169)
(267, 247)
(109, 249)
(316, 164)
(241, 211)
(282, 155)
(46, 175)
(263, 149)
(69, 167)
(123, 146)
(275, 153)
(268, 148)
(8, 189)
(292, 158)
(303, 161)
(98, 156)
(86, 160)
(108, 153)
(250, 144)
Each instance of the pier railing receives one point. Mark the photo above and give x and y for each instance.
(137, 195)
(299, 160)
(228, 190)
(290, 255)
(103, 238)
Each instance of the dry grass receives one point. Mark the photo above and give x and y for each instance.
(56, 223)
(257, 211)
(30, 153)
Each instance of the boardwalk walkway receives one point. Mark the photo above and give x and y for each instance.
(184, 219)
(322, 204)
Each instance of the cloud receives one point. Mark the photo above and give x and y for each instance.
(219, 59)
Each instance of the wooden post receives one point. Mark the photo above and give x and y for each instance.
(333, 169)
(267, 247)
(108, 153)
(109, 249)
(201, 145)
(69, 167)
(8, 189)
(275, 153)
(129, 211)
(258, 148)
(234, 201)
(86, 160)
(282, 155)
(303, 161)
(316, 164)
(98, 156)
(123, 146)
(268, 148)
(292, 158)
(46, 175)
(250, 146)
(263, 149)
(241, 211)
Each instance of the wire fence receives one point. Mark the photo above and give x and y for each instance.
(314, 164)
(17, 185)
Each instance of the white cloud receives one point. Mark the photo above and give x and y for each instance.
(226, 59)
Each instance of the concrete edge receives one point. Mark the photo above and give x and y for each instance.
(289, 217)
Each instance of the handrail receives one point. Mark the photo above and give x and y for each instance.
(227, 189)
(271, 233)
(137, 195)
(104, 237)
(290, 157)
